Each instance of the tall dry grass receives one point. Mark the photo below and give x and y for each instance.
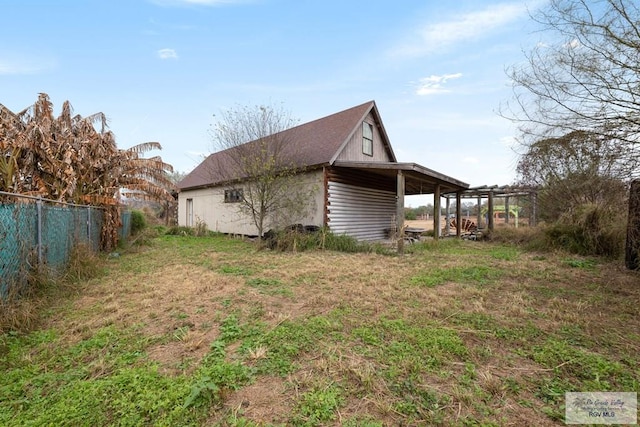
(22, 307)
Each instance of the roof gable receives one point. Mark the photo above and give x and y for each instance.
(310, 144)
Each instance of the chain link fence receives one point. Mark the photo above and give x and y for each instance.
(36, 232)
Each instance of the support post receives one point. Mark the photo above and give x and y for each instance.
(479, 211)
(436, 212)
(490, 212)
(39, 230)
(506, 210)
(89, 226)
(534, 209)
(458, 214)
(447, 220)
(400, 211)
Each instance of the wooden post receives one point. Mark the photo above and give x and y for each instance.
(479, 211)
(632, 247)
(400, 211)
(447, 220)
(534, 209)
(490, 212)
(506, 210)
(458, 214)
(436, 212)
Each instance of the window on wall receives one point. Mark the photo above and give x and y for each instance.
(367, 139)
(233, 195)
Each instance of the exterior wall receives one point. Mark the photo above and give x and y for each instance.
(209, 206)
(353, 150)
(360, 204)
(363, 213)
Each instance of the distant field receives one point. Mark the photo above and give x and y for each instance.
(427, 224)
(209, 331)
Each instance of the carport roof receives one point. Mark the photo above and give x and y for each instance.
(418, 179)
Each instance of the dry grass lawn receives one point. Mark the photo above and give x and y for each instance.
(452, 333)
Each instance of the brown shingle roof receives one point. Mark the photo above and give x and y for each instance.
(314, 143)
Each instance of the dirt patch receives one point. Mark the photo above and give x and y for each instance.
(265, 401)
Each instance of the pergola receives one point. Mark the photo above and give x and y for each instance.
(488, 192)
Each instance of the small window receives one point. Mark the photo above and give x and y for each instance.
(367, 139)
(233, 195)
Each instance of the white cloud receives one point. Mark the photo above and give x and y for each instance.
(167, 54)
(471, 160)
(437, 36)
(574, 44)
(434, 84)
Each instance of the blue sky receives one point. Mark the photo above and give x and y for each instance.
(160, 69)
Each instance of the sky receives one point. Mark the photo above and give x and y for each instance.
(162, 69)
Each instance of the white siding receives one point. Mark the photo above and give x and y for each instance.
(209, 206)
(363, 213)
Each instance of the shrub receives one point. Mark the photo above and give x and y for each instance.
(180, 230)
(301, 238)
(590, 230)
(138, 221)
(517, 236)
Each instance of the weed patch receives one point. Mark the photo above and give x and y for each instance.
(479, 275)
(270, 287)
(318, 406)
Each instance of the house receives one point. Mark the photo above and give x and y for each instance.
(347, 160)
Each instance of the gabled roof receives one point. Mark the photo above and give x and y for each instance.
(315, 143)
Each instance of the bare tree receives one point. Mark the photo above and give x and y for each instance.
(587, 79)
(257, 161)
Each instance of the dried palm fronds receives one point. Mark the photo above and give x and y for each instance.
(67, 159)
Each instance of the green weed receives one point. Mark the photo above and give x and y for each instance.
(287, 342)
(318, 406)
(438, 276)
(408, 349)
(588, 264)
(235, 270)
(506, 253)
(591, 371)
(270, 287)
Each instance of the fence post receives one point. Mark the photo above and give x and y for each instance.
(89, 226)
(39, 229)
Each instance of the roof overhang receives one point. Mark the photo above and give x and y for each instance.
(418, 179)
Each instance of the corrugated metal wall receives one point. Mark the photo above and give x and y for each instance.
(363, 213)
